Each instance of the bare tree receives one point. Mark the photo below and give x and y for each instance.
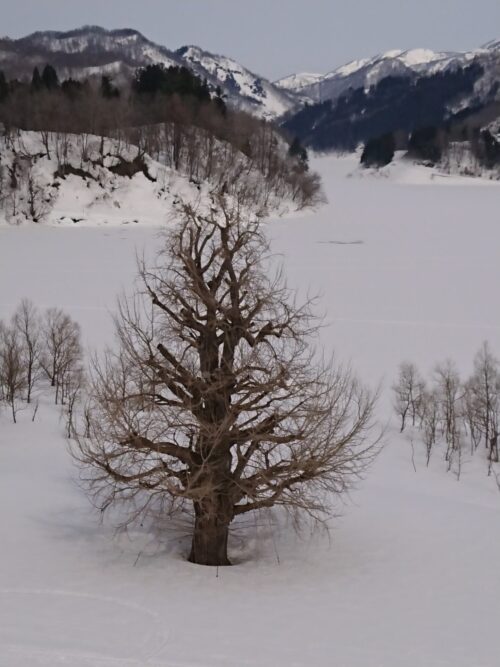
(12, 371)
(72, 388)
(26, 323)
(62, 347)
(215, 401)
(408, 390)
(430, 418)
(449, 392)
(485, 386)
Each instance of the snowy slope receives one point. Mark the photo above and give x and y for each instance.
(406, 268)
(87, 186)
(251, 92)
(96, 195)
(297, 82)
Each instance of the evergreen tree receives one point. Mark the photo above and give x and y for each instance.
(36, 81)
(425, 145)
(379, 152)
(108, 90)
(49, 78)
(4, 87)
(490, 153)
(219, 101)
(72, 88)
(298, 151)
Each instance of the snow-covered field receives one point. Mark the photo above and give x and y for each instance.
(407, 267)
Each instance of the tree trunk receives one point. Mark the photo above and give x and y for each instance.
(210, 536)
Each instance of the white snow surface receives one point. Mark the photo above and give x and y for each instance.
(407, 267)
(295, 82)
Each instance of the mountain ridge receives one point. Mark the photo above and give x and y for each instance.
(93, 50)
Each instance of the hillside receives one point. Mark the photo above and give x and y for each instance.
(92, 51)
(399, 91)
(69, 179)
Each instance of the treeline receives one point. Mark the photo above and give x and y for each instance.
(39, 349)
(169, 114)
(435, 144)
(396, 103)
(459, 414)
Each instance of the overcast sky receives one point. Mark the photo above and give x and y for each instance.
(271, 37)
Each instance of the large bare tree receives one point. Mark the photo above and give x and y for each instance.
(216, 400)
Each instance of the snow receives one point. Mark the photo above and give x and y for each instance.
(351, 67)
(295, 82)
(101, 197)
(418, 57)
(244, 89)
(406, 263)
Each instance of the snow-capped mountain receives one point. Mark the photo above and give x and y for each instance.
(252, 92)
(369, 72)
(92, 51)
(296, 83)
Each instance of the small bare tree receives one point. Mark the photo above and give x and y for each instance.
(12, 371)
(471, 414)
(485, 386)
(26, 323)
(215, 400)
(72, 388)
(430, 419)
(62, 347)
(408, 391)
(448, 386)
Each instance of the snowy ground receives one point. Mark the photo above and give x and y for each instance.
(407, 266)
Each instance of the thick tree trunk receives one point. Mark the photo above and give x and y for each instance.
(210, 536)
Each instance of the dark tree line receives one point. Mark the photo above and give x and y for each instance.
(429, 145)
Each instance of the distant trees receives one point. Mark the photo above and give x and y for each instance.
(167, 113)
(50, 80)
(379, 152)
(62, 350)
(453, 410)
(34, 346)
(36, 81)
(157, 79)
(409, 393)
(296, 150)
(108, 90)
(12, 371)
(28, 331)
(426, 145)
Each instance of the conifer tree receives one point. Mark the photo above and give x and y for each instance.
(36, 81)
(49, 78)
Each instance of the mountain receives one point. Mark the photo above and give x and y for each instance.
(92, 51)
(297, 83)
(370, 71)
(398, 90)
(252, 92)
(366, 72)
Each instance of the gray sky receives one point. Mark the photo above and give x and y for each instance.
(270, 37)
